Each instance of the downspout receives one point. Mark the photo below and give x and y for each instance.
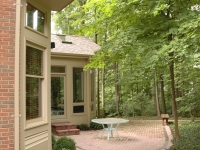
(16, 77)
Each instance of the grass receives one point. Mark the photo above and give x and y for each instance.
(189, 136)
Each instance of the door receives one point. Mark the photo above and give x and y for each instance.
(35, 122)
(58, 105)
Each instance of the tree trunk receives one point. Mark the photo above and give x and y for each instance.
(171, 67)
(97, 82)
(162, 94)
(103, 91)
(132, 93)
(97, 91)
(117, 89)
(156, 96)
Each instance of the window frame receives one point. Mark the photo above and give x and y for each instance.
(42, 119)
(38, 7)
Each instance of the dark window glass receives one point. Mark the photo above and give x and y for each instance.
(35, 18)
(92, 84)
(78, 109)
(78, 85)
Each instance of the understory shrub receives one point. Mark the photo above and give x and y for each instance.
(96, 126)
(83, 127)
(53, 140)
(65, 143)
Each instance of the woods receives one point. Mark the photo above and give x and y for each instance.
(149, 58)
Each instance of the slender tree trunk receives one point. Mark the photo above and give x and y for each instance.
(97, 81)
(156, 96)
(117, 89)
(177, 93)
(103, 91)
(97, 91)
(132, 93)
(162, 94)
(171, 67)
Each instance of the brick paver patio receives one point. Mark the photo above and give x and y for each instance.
(135, 135)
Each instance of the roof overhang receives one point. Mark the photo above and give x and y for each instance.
(55, 5)
(70, 55)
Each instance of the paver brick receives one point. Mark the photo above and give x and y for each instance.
(135, 135)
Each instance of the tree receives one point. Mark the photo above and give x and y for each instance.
(144, 36)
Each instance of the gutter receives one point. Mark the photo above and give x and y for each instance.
(16, 76)
(70, 55)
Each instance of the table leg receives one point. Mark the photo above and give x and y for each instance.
(103, 130)
(118, 134)
(109, 131)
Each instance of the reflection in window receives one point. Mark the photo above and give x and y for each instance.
(33, 98)
(34, 69)
(57, 96)
(35, 18)
(78, 86)
(33, 61)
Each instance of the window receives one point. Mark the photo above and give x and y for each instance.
(92, 84)
(78, 109)
(35, 18)
(34, 77)
(78, 90)
(57, 69)
(78, 85)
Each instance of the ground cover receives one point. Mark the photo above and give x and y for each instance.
(189, 135)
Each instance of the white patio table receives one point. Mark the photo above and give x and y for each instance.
(112, 124)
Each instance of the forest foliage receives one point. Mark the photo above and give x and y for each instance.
(144, 38)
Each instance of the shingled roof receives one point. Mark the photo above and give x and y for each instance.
(73, 44)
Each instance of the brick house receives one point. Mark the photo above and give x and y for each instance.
(25, 75)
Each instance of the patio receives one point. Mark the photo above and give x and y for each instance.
(135, 135)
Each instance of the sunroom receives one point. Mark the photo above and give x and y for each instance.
(72, 88)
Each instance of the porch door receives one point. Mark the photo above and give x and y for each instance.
(58, 97)
(35, 122)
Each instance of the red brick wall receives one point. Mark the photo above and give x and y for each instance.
(7, 52)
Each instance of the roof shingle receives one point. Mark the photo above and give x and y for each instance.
(80, 45)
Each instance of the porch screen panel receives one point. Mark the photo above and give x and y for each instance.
(78, 90)
(92, 72)
(34, 77)
(78, 85)
(92, 84)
